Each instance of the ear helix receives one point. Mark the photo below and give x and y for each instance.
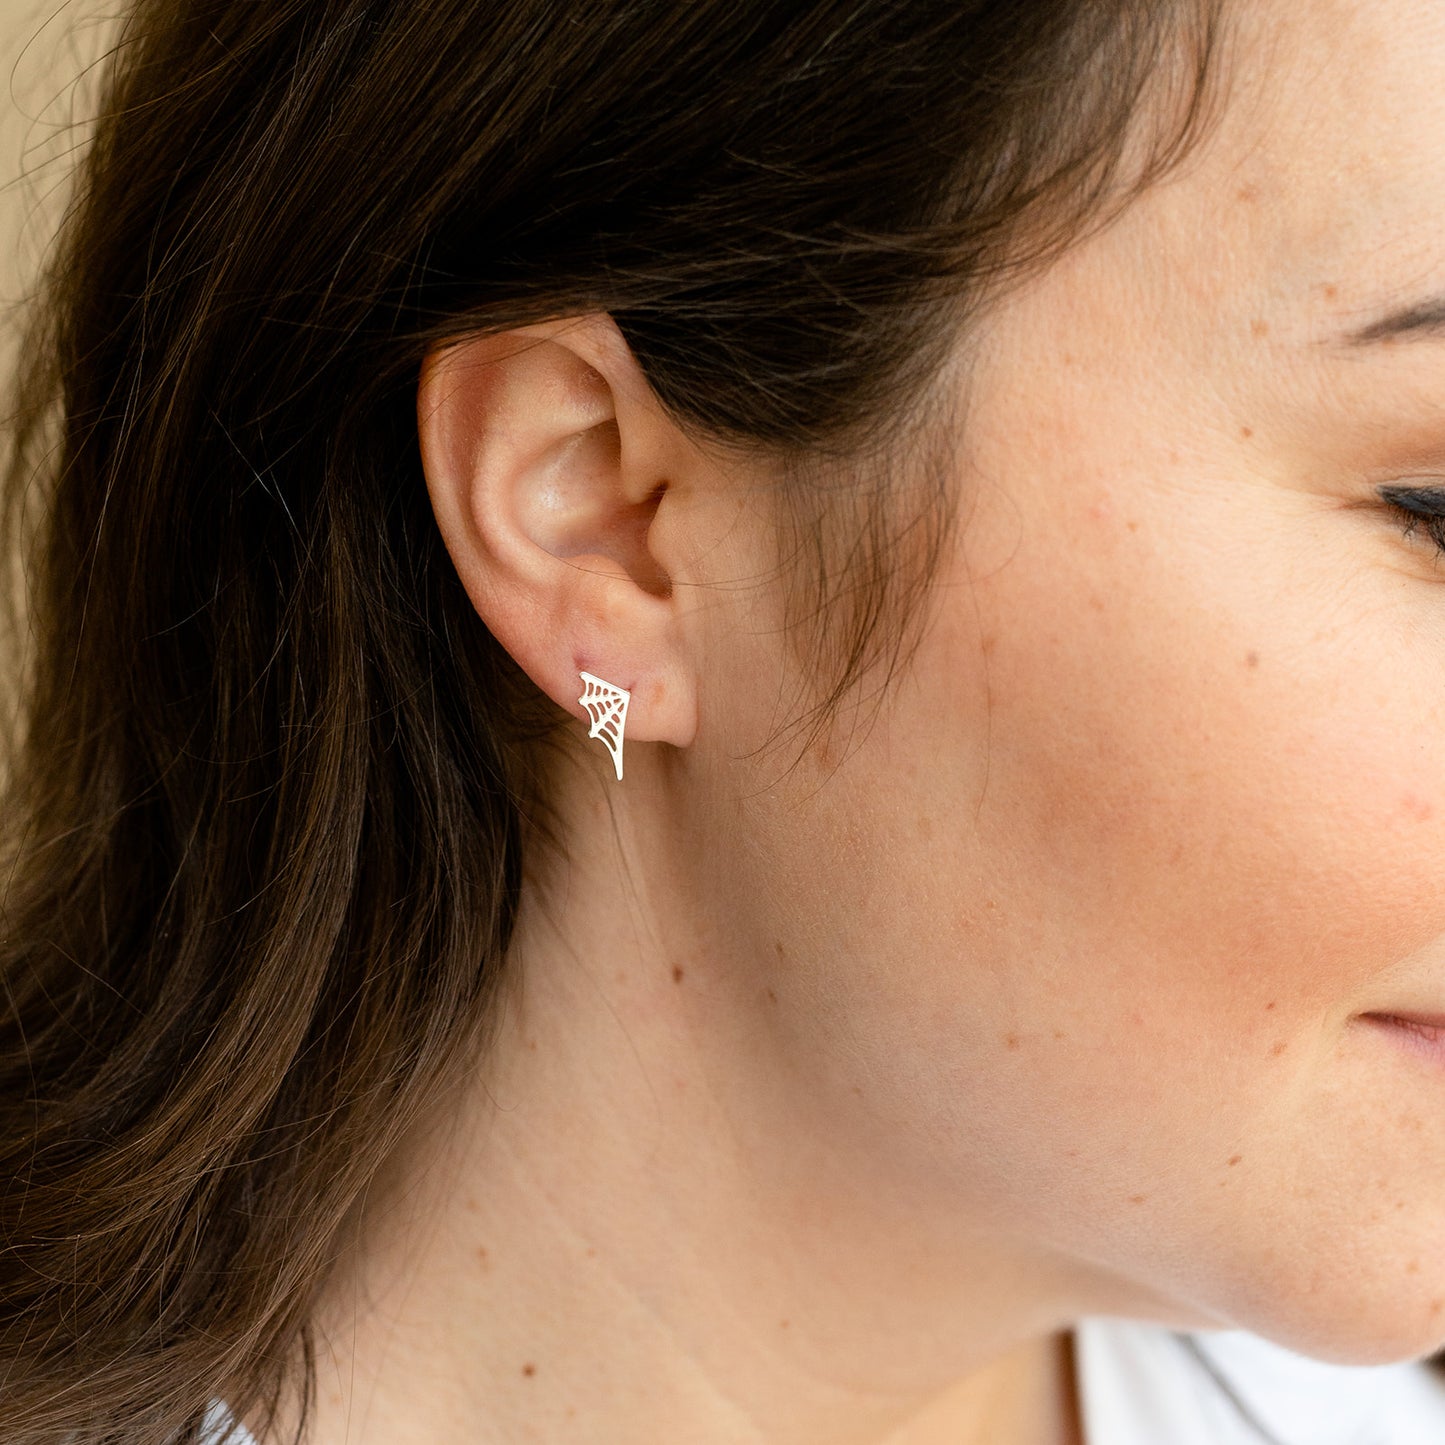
(606, 705)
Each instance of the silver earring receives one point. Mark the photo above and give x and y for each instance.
(606, 705)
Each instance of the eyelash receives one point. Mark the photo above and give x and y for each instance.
(1416, 505)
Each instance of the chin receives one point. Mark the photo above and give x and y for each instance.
(1388, 1321)
(1371, 1295)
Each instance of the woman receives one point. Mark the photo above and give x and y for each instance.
(734, 729)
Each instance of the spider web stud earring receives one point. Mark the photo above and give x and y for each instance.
(606, 705)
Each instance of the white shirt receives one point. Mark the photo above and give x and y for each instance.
(1142, 1385)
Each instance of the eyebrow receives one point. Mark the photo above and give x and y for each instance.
(1424, 320)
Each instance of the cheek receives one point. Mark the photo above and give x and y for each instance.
(1206, 790)
(1152, 813)
(1211, 832)
(1147, 828)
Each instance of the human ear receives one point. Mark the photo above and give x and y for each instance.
(549, 463)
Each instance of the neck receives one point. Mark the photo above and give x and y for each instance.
(642, 1225)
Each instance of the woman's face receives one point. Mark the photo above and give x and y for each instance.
(1090, 935)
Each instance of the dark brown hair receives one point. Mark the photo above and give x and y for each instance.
(263, 829)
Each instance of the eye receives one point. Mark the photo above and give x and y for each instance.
(1418, 507)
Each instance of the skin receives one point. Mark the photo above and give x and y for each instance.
(827, 1098)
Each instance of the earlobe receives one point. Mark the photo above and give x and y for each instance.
(547, 462)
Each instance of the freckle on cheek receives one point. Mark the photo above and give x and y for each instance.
(1137, 1198)
(1012, 1041)
(1235, 1160)
(1251, 659)
(1259, 329)
(1277, 1050)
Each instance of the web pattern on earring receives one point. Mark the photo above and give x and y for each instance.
(606, 705)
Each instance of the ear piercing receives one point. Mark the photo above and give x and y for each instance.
(606, 705)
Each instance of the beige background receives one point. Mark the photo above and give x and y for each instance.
(47, 64)
(47, 67)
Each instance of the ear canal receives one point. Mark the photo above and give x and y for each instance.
(606, 705)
